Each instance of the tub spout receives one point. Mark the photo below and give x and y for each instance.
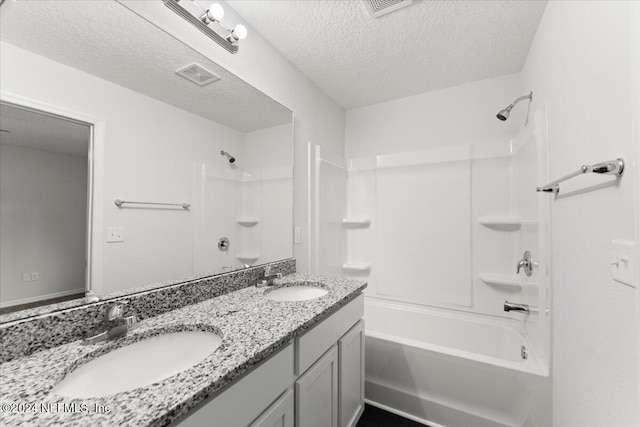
(512, 306)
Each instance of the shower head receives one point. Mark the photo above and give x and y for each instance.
(504, 114)
(229, 156)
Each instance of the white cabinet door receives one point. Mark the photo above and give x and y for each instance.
(351, 375)
(317, 393)
(280, 414)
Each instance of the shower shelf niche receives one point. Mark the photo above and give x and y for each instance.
(247, 257)
(248, 221)
(356, 266)
(506, 223)
(356, 222)
(505, 280)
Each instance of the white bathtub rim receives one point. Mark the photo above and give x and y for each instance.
(502, 322)
(533, 365)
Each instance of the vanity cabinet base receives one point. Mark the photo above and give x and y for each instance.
(242, 403)
(315, 381)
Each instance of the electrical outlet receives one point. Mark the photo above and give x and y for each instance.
(26, 277)
(296, 235)
(115, 234)
(34, 276)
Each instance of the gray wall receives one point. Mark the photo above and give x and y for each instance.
(43, 211)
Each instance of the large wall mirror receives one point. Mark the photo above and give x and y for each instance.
(117, 170)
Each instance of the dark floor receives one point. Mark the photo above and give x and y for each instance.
(375, 417)
(14, 308)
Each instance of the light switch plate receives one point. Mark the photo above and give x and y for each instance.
(115, 234)
(624, 262)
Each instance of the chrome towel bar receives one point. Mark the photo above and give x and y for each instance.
(120, 202)
(611, 167)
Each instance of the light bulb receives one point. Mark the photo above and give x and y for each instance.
(215, 12)
(240, 32)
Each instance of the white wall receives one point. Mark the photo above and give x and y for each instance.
(150, 150)
(635, 99)
(579, 64)
(452, 116)
(43, 217)
(329, 205)
(317, 117)
(268, 154)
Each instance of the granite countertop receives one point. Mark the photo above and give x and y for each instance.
(252, 327)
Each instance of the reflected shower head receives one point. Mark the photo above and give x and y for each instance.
(504, 114)
(229, 156)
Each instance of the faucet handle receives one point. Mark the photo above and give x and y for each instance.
(116, 310)
(525, 263)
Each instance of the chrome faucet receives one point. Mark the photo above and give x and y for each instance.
(116, 323)
(526, 264)
(268, 279)
(512, 306)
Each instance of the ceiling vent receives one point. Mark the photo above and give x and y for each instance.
(378, 8)
(197, 74)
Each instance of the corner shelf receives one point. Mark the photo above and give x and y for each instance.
(356, 266)
(247, 257)
(248, 221)
(506, 281)
(506, 223)
(356, 222)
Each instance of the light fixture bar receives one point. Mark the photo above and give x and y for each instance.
(173, 5)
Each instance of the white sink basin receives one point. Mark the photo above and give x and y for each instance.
(139, 364)
(295, 293)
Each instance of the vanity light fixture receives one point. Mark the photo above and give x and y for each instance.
(213, 15)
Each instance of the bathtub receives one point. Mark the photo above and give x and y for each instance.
(451, 369)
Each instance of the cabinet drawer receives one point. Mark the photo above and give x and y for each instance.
(316, 342)
(245, 400)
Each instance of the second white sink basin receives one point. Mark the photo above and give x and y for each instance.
(295, 293)
(139, 364)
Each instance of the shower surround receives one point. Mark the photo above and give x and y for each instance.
(438, 210)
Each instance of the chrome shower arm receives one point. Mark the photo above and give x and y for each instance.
(504, 114)
(522, 98)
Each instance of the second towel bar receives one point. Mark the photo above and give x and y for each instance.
(611, 167)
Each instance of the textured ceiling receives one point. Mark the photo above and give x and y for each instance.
(106, 39)
(359, 60)
(43, 132)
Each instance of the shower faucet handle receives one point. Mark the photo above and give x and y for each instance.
(526, 264)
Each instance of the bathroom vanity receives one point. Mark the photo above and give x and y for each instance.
(279, 362)
(319, 373)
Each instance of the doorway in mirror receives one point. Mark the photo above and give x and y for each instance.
(44, 200)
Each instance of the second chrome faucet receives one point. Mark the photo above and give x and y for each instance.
(116, 324)
(268, 279)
